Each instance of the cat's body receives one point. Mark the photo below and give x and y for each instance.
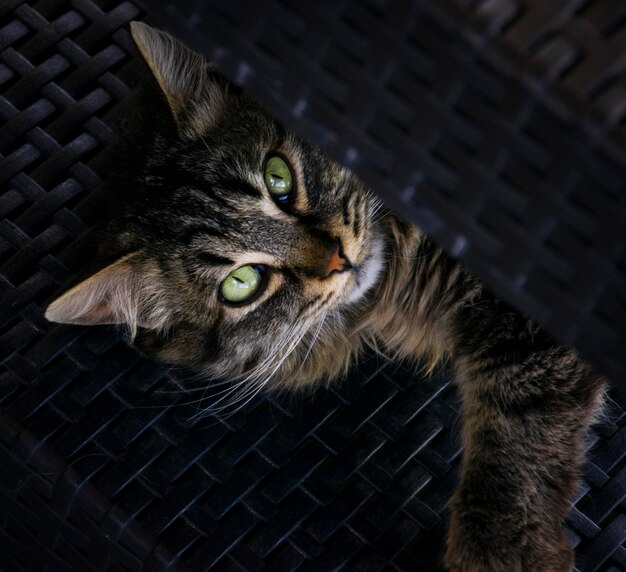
(527, 402)
(242, 251)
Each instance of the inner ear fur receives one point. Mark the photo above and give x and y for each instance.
(125, 292)
(182, 76)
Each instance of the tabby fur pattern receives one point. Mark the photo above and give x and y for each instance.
(197, 207)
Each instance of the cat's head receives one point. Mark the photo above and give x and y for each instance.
(240, 248)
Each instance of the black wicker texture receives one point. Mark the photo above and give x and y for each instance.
(105, 463)
(498, 126)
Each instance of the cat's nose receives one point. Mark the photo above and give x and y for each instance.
(335, 261)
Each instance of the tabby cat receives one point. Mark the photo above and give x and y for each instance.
(244, 252)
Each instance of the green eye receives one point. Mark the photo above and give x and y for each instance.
(278, 178)
(241, 284)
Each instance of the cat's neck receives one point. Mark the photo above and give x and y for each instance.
(407, 312)
(407, 315)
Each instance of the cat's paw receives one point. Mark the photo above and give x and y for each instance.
(479, 549)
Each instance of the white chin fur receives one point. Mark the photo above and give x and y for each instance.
(369, 271)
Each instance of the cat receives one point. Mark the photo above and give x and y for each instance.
(242, 251)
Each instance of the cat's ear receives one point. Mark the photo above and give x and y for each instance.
(179, 71)
(122, 293)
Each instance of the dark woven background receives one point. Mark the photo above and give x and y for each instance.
(104, 464)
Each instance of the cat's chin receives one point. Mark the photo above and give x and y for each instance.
(367, 273)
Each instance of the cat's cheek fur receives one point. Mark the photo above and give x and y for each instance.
(369, 272)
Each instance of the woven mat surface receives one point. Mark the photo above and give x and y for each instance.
(104, 461)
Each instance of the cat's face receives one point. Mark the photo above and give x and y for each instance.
(244, 244)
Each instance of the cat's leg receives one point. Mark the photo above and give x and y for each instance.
(526, 405)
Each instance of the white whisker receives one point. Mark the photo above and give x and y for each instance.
(251, 387)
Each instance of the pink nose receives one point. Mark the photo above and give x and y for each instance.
(335, 262)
